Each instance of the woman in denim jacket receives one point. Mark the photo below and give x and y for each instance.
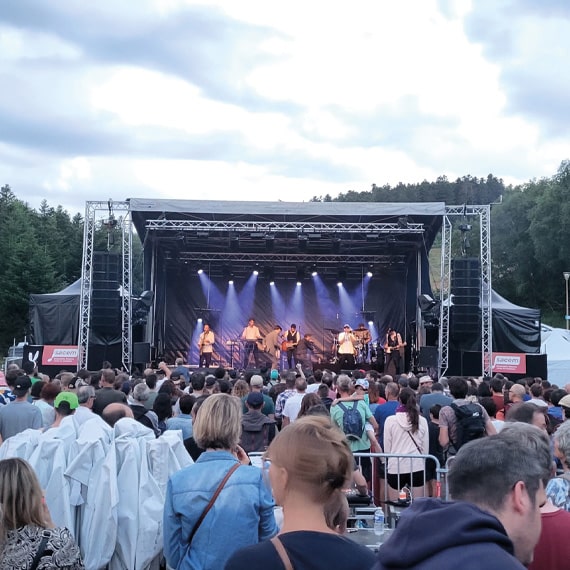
(241, 515)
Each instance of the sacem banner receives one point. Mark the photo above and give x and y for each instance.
(505, 362)
(60, 355)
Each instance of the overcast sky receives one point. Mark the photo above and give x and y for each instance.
(268, 100)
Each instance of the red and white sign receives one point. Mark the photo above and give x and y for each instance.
(506, 362)
(60, 355)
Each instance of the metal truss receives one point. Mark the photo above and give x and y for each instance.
(285, 257)
(290, 227)
(484, 213)
(126, 299)
(91, 211)
(445, 295)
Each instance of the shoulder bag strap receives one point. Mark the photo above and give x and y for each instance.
(415, 442)
(41, 549)
(282, 553)
(212, 501)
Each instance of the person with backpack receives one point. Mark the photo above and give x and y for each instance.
(351, 418)
(463, 420)
(406, 433)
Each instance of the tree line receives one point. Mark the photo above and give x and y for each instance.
(41, 250)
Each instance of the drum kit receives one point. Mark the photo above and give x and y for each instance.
(364, 352)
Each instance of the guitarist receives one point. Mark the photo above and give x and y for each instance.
(392, 349)
(206, 346)
(292, 339)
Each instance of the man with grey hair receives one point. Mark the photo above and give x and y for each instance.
(86, 398)
(136, 402)
(498, 486)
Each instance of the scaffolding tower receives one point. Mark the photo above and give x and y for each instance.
(484, 215)
(104, 212)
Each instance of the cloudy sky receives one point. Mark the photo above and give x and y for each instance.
(258, 100)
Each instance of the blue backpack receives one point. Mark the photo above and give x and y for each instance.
(352, 424)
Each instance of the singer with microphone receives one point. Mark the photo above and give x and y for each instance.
(346, 342)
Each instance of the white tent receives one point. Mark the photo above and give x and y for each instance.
(555, 343)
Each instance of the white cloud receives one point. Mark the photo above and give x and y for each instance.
(292, 100)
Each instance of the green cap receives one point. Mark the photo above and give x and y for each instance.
(68, 397)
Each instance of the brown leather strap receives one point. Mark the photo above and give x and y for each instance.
(282, 553)
(212, 501)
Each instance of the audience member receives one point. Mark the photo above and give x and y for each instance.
(29, 537)
(497, 484)
(231, 524)
(310, 462)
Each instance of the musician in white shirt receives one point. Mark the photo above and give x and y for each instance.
(346, 341)
(251, 336)
(206, 346)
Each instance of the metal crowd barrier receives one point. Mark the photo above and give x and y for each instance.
(377, 465)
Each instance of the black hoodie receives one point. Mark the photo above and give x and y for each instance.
(437, 535)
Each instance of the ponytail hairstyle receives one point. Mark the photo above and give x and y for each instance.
(408, 400)
(316, 456)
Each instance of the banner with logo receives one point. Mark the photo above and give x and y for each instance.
(60, 356)
(509, 362)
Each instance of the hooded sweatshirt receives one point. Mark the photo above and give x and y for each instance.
(397, 432)
(257, 431)
(437, 535)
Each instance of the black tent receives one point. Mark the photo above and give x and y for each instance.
(515, 329)
(54, 317)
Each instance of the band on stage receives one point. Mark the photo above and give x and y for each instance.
(349, 348)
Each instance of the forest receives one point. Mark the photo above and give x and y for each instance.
(40, 250)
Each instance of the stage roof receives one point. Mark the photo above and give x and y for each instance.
(287, 235)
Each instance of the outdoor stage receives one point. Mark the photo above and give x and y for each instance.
(318, 265)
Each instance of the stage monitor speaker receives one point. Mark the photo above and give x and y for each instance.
(141, 352)
(428, 356)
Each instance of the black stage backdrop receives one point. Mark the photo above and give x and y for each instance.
(183, 297)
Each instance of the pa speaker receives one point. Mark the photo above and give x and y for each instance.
(141, 352)
(428, 356)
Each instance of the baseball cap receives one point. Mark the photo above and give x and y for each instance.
(256, 380)
(565, 402)
(22, 385)
(255, 399)
(362, 382)
(426, 379)
(68, 397)
(274, 374)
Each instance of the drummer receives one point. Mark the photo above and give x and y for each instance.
(363, 337)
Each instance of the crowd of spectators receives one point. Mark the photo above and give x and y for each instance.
(222, 415)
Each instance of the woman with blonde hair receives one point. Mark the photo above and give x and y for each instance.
(308, 463)
(29, 539)
(240, 389)
(220, 503)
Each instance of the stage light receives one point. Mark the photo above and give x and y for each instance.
(199, 319)
(300, 275)
(256, 269)
(314, 271)
(272, 283)
(341, 277)
(255, 272)
(369, 274)
(231, 282)
(370, 271)
(370, 323)
(200, 271)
